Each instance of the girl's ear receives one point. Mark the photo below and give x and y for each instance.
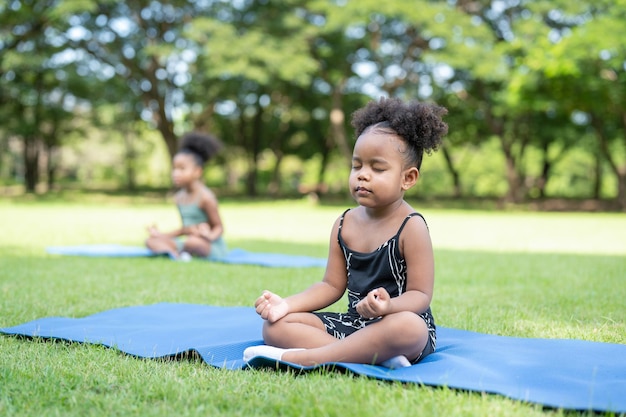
(410, 177)
(199, 171)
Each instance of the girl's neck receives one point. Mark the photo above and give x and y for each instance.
(190, 191)
(193, 187)
(379, 213)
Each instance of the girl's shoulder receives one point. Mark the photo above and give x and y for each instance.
(206, 196)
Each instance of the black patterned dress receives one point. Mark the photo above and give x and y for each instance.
(384, 267)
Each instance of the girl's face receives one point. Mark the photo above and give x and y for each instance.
(378, 176)
(185, 170)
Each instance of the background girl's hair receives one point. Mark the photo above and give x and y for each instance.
(201, 145)
(419, 124)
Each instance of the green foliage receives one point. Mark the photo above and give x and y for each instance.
(284, 77)
(267, 57)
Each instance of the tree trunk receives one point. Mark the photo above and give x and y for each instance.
(276, 181)
(597, 178)
(32, 144)
(51, 166)
(621, 190)
(456, 178)
(4, 150)
(276, 146)
(320, 187)
(620, 172)
(31, 164)
(497, 126)
(317, 129)
(253, 152)
(515, 192)
(171, 140)
(130, 157)
(162, 117)
(621, 176)
(546, 167)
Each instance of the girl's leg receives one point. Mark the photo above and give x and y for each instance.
(402, 333)
(197, 246)
(162, 245)
(297, 330)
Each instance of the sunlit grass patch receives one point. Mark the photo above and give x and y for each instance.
(498, 290)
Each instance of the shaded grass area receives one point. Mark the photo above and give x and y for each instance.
(509, 293)
(92, 381)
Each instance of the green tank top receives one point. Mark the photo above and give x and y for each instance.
(191, 214)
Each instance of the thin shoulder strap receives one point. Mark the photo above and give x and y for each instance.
(406, 219)
(341, 224)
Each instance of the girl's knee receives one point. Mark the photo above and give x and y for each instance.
(271, 332)
(410, 333)
(408, 324)
(197, 246)
(404, 318)
(155, 243)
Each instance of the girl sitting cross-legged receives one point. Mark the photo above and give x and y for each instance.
(380, 253)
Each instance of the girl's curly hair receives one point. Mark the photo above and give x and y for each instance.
(201, 146)
(420, 125)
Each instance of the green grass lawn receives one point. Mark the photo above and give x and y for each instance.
(520, 274)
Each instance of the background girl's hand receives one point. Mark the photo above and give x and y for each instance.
(271, 307)
(203, 230)
(375, 304)
(153, 231)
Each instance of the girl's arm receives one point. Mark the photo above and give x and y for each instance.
(317, 296)
(417, 250)
(209, 204)
(332, 286)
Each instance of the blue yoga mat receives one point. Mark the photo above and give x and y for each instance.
(569, 374)
(235, 256)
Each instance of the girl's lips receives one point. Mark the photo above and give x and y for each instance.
(362, 191)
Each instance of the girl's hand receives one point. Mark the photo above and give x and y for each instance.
(153, 231)
(200, 230)
(203, 230)
(271, 307)
(377, 303)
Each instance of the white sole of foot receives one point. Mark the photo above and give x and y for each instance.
(266, 351)
(399, 361)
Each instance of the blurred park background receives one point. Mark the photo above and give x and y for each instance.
(94, 94)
